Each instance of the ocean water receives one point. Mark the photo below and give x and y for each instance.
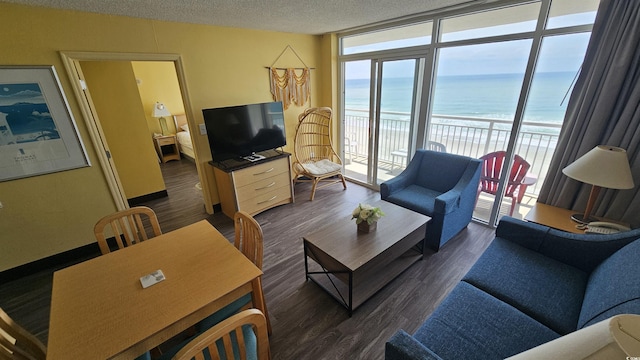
(488, 96)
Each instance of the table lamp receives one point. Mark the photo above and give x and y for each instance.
(603, 166)
(160, 111)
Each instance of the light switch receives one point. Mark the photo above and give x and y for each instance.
(203, 129)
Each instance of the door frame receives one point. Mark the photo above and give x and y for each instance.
(71, 61)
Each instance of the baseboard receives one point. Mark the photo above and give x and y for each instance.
(58, 260)
(146, 198)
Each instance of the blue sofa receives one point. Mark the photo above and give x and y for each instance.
(440, 185)
(532, 285)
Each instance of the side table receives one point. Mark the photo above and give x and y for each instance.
(557, 218)
(167, 148)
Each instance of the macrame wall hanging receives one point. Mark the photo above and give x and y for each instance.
(290, 85)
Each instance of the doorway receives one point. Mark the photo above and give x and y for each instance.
(72, 62)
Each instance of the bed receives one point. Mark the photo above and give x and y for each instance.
(183, 136)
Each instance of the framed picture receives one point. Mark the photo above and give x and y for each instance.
(37, 132)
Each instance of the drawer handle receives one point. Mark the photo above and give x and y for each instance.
(272, 198)
(264, 172)
(268, 186)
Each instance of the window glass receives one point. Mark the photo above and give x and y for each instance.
(565, 13)
(510, 20)
(395, 38)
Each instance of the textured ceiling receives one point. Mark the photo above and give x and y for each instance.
(294, 16)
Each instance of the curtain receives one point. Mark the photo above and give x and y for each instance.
(604, 109)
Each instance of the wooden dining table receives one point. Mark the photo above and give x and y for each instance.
(99, 309)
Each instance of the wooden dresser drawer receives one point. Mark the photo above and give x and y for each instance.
(260, 172)
(262, 186)
(255, 188)
(266, 200)
(169, 140)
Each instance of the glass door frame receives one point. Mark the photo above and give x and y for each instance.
(416, 129)
(424, 99)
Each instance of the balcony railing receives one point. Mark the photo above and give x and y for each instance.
(470, 136)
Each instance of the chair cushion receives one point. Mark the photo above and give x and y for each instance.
(235, 307)
(416, 198)
(472, 324)
(545, 289)
(613, 287)
(321, 167)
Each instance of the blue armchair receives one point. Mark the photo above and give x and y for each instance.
(440, 185)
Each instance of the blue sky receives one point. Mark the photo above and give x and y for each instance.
(558, 53)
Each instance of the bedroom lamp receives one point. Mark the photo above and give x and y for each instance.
(160, 111)
(603, 166)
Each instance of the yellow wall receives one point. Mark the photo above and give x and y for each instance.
(49, 214)
(158, 81)
(114, 92)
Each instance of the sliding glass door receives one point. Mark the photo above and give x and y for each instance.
(379, 117)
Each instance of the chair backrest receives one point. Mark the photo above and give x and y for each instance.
(17, 343)
(436, 146)
(243, 333)
(127, 227)
(249, 239)
(492, 164)
(312, 141)
(439, 171)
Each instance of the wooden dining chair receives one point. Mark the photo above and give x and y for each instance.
(16, 343)
(127, 227)
(242, 336)
(250, 241)
(248, 237)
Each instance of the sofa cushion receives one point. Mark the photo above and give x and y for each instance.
(416, 198)
(613, 287)
(472, 324)
(547, 290)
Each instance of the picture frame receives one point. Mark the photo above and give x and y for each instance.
(38, 134)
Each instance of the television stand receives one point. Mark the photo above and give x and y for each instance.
(254, 185)
(253, 157)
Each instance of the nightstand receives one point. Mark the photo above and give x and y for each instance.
(167, 148)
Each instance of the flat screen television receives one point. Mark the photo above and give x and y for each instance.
(237, 132)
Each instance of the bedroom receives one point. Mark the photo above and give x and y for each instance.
(136, 87)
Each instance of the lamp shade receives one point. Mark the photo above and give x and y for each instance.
(604, 166)
(159, 110)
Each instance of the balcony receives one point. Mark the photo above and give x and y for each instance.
(470, 136)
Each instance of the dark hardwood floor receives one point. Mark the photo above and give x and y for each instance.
(307, 323)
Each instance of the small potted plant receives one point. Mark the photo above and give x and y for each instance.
(366, 217)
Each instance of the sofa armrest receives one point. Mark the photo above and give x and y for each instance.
(583, 251)
(406, 177)
(447, 202)
(402, 346)
(397, 183)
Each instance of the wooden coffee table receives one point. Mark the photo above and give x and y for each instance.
(353, 265)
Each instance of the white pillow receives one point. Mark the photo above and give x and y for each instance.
(184, 127)
(321, 167)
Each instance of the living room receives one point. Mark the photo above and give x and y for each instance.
(37, 37)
